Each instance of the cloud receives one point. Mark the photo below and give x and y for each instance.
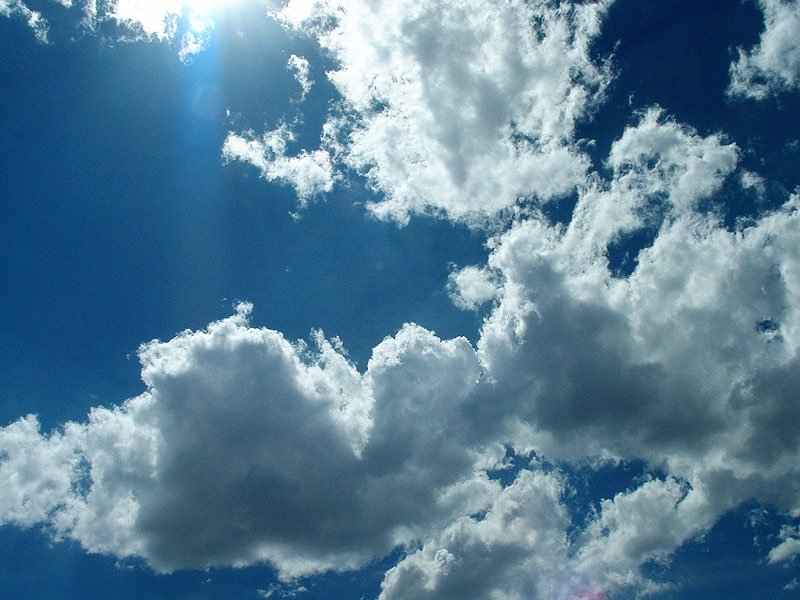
(16, 9)
(471, 287)
(187, 22)
(624, 535)
(299, 65)
(696, 346)
(168, 20)
(688, 362)
(517, 550)
(309, 173)
(458, 109)
(246, 447)
(39, 472)
(789, 546)
(773, 65)
(299, 459)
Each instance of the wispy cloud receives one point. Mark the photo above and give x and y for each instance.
(310, 173)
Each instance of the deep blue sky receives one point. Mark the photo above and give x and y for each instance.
(119, 223)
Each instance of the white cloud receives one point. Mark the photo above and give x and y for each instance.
(299, 65)
(309, 173)
(668, 362)
(298, 458)
(755, 182)
(188, 21)
(690, 363)
(789, 546)
(459, 108)
(38, 472)
(471, 287)
(647, 523)
(16, 9)
(773, 65)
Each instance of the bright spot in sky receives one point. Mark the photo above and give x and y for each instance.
(191, 21)
(157, 17)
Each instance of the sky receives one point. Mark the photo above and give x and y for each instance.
(400, 300)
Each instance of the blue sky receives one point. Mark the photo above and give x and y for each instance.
(400, 299)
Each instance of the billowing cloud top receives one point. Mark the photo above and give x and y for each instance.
(687, 361)
(458, 109)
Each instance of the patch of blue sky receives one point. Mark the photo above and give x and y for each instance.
(728, 560)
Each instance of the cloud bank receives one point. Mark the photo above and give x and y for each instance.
(689, 363)
(686, 359)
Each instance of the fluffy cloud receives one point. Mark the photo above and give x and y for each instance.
(500, 551)
(688, 359)
(688, 362)
(471, 287)
(459, 109)
(187, 22)
(299, 459)
(657, 363)
(773, 65)
(309, 173)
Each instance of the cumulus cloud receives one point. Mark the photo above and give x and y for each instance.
(187, 23)
(689, 362)
(471, 287)
(658, 362)
(299, 459)
(773, 65)
(499, 551)
(459, 109)
(625, 534)
(309, 173)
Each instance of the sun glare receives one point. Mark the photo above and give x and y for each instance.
(156, 17)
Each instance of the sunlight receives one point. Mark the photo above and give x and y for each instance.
(158, 17)
(190, 21)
